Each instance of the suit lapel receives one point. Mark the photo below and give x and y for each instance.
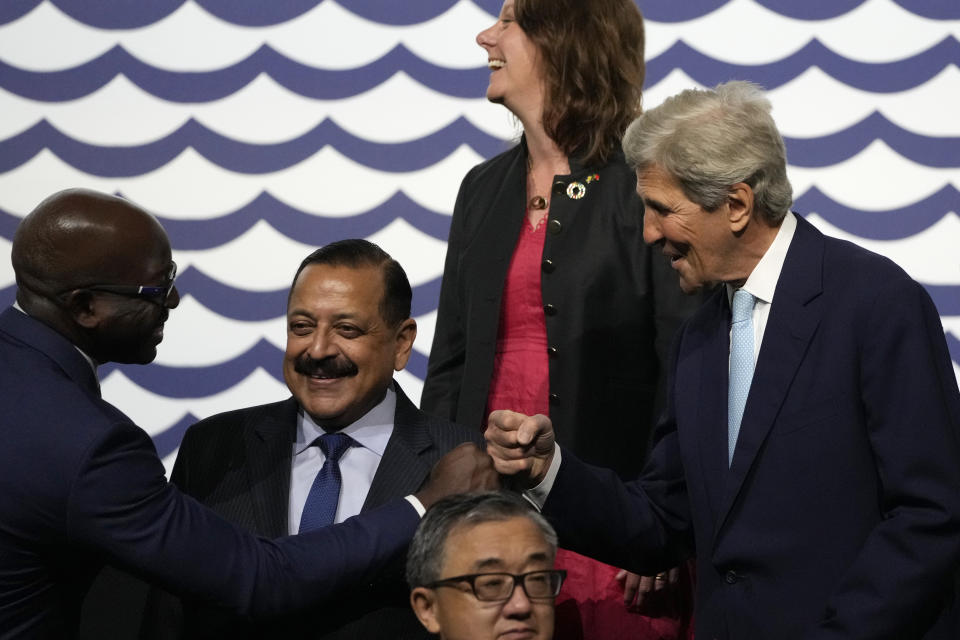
(793, 320)
(403, 468)
(268, 444)
(701, 386)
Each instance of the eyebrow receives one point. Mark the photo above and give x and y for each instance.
(655, 204)
(489, 563)
(346, 315)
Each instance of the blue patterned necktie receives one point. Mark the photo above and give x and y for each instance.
(741, 365)
(321, 506)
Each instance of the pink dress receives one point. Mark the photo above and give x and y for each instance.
(590, 605)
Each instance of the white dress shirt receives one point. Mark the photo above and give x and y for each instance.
(358, 464)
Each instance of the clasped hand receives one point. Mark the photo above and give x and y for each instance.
(521, 446)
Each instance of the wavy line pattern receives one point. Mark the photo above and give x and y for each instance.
(243, 157)
(316, 229)
(873, 144)
(899, 75)
(931, 151)
(168, 440)
(193, 382)
(319, 84)
(118, 14)
(892, 224)
(323, 84)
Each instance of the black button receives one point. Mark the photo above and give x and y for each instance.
(547, 266)
(559, 187)
(549, 309)
(731, 577)
(554, 398)
(552, 352)
(554, 227)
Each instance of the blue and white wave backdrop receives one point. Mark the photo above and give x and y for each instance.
(257, 131)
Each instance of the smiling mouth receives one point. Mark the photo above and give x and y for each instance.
(494, 64)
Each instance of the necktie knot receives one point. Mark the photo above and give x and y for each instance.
(334, 445)
(742, 305)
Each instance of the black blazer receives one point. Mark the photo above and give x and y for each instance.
(840, 515)
(612, 306)
(238, 463)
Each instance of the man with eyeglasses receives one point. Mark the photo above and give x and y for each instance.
(82, 485)
(481, 566)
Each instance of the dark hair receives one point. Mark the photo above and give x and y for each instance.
(592, 60)
(427, 550)
(355, 253)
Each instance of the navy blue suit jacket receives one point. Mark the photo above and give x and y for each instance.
(81, 484)
(840, 514)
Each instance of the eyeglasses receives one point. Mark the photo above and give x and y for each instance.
(159, 295)
(498, 587)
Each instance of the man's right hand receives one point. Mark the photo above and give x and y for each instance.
(463, 469)
(520, 445)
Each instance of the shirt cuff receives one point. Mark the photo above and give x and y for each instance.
(537, 496)
(416, 505)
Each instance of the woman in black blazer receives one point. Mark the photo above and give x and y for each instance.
(546, 244)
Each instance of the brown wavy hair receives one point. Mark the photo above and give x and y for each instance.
(592, 58)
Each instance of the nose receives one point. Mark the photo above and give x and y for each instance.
(321, 346)
(173, 300)
(651, 227)
(487, 37)
(519, 605)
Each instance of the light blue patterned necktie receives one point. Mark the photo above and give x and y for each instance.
(320, 509)
(741, 365)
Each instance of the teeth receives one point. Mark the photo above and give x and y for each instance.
(495, 64)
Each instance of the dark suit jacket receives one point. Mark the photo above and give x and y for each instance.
(81, 484)
(840, 515)
(612, 306)
(238, 463)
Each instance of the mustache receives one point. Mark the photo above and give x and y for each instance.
(332, 367)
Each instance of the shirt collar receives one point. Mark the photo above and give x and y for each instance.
(371, 431)
(763, 279)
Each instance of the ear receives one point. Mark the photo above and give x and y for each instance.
(406, 333)
(83, 308)
(740, 206)
(424, 603)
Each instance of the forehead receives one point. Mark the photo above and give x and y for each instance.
(654, 179)
(356, 288)
(494, 545)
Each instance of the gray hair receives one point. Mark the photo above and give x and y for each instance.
(428, 548)
(709, 140)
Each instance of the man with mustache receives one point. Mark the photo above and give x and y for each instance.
(82, 485)
(348, 329)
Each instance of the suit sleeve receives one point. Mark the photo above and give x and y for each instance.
(895, 586)
(122, 507)
(441, 389)
(644, 525)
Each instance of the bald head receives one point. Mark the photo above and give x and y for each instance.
(77, 240)
(79, 237)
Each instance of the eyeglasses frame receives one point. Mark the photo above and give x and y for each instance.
(155, 294)
(518, 578)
